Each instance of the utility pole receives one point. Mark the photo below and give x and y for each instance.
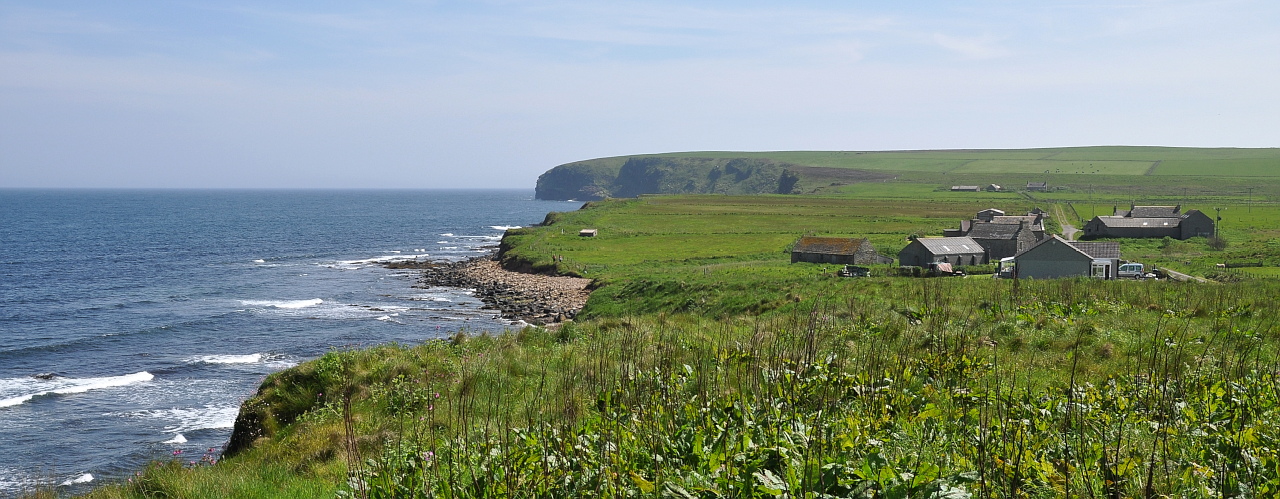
(1217, 222)
(1250, 199)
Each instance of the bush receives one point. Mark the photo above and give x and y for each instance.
(1217, 243)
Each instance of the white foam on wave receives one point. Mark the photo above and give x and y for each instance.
(259, 261)
(377, 260)
(189, 419)
(252, 358)
(429, 297)
(289, 304)
(85, 478)
(16, 391)
(177, 439)
(505, 227)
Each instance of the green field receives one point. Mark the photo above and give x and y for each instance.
(1118, 160)
(707, 365)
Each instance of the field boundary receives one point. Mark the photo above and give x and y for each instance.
(1152, 170)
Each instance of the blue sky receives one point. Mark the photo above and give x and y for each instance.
(438, 94)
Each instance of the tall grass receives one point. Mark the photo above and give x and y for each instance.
(906, 388)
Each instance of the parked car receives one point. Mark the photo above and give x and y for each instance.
(1133, 270)
(855, 271)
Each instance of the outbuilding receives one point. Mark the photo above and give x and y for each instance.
(837, 250)
(953, 250)
(1151, 221)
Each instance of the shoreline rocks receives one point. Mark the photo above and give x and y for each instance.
(533, 298)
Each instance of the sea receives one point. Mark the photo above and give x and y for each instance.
(133, 323)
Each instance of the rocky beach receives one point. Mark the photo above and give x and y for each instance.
(533, 298)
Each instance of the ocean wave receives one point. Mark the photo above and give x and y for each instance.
(177, 439)
(85, 478)
(252, 358)
(505, 227)
(380, 259)
(16, 391)
(189, 419)
(290, 304)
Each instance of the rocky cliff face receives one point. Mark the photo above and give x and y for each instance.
(632, 176)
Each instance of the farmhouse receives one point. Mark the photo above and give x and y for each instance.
(1001, 235)
(838, 250)
(954, 250)
(1151, 221)
(1058, 257)
(1002, 240)
(1037, 186)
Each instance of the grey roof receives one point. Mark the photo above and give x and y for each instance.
(950, 245)
(1154, 212)
(983, 230)
(1037, 184)
(1140, 222)
(1049, 240)
(1103, 249)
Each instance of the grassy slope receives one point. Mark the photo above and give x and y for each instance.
(700, 311)
(1138, 174)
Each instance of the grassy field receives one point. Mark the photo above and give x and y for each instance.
(707, 365)
(1118, 160)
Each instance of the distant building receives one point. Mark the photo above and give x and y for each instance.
(965, 188)
(587, 233)
(954, 250)
(987, 214)
(837, 250)
(1057, 257)
(994, 188)
(1151, 221)
(1037, 186)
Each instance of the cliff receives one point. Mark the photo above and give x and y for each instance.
(631, 176)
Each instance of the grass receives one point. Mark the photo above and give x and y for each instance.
(707, 365)
(1122, 173)
(1117, 160)
(879, 387)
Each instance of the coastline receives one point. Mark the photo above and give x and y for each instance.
(533, 298)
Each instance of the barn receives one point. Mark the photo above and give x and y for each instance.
(837, 250)
(1151, 221)
(954, 250)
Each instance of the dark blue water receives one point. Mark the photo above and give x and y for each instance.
(132, 323)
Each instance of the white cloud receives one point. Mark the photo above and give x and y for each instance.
(982, 47)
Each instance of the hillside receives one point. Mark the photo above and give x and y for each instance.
(793, 172)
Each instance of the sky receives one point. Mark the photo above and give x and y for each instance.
(479, 94)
